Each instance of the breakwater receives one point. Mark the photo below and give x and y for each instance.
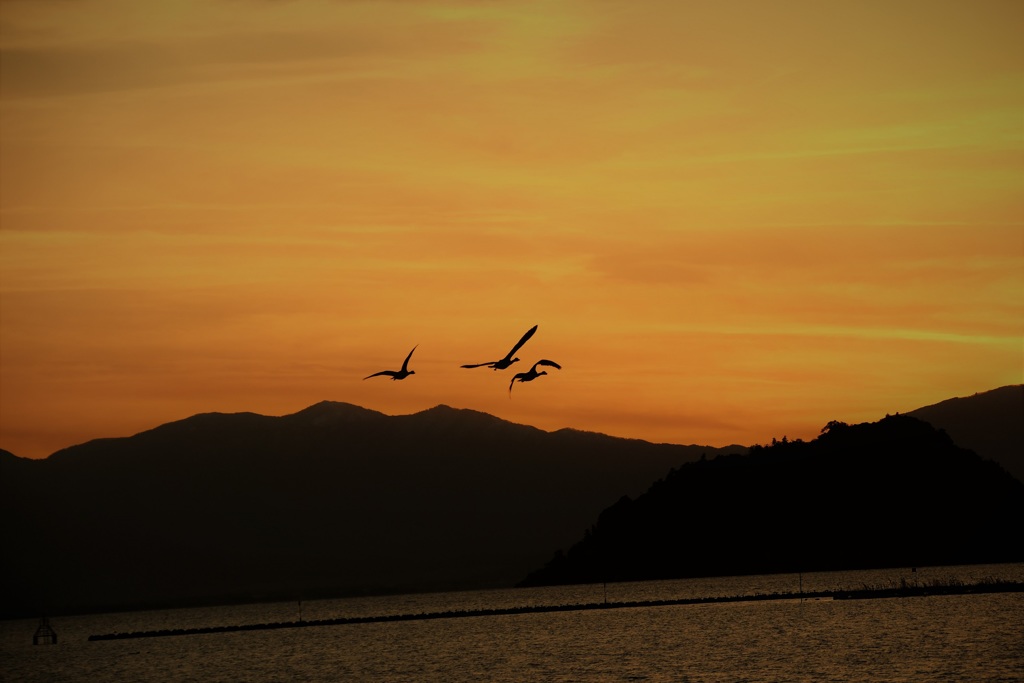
(896, 591)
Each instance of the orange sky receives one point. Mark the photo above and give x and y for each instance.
(731, 221)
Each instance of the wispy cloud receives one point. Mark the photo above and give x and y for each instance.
(733, 225)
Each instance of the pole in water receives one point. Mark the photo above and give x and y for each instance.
(45, 633)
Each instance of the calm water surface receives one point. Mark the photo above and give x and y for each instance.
(941, 638)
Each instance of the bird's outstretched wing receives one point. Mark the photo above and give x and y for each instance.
(526, 338)
(405, 365)
(478, 365)
(389, 373)
(549, 363)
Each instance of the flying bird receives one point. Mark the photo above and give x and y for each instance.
(508, 359)
(397, 374)
(532, 374)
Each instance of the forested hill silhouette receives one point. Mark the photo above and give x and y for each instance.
(896, 492)
(332, 500)
(990, 423)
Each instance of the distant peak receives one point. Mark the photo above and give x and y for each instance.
(442, 409)
(332, 405)
(334, 410)
(443, 414)
(445, 409)
(1009, 393)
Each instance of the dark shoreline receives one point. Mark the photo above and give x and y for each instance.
(867, 593)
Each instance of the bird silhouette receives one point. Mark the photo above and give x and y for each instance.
(532, 374)
(397, 374)
(508, 359)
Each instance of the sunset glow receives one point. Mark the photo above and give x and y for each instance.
(731, 221)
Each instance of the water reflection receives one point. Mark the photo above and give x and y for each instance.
(948, 638)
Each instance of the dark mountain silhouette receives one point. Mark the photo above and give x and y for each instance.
(896, 492)
(990, 423)
(332, 500)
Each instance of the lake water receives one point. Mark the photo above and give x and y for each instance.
(939, 638)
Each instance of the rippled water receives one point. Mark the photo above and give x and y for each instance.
(941, 638)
